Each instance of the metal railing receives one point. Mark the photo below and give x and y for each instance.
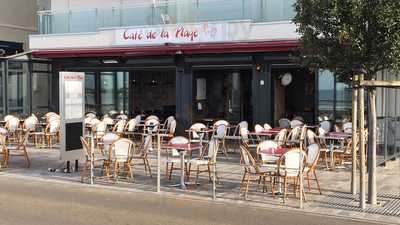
(388, 139)
(191, 11)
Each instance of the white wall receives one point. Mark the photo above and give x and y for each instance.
(17, 20)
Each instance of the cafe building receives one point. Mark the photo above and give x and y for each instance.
(193, 59)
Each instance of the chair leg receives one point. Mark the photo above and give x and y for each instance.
(284, 189)
(149, 168)
(83, 175)
(209, 172)
(308, 182)
(247, 186)
(28, 161)
(242, 183)
(317, 181)
(197, 174)
(170, 171)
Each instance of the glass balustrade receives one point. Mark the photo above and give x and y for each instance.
(164, 13)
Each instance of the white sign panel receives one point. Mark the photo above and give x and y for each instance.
(73, 96)
(176, 34)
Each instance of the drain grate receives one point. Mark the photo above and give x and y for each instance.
(389, 203)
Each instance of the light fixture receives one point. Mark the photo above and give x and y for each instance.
(286, 79)
(110, 61)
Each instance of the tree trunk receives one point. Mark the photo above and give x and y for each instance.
(372, 133)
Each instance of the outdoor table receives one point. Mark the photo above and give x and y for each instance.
(182, 148)
(277, 152)
(335, 137)
(203, 133)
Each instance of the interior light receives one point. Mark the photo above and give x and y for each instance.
(110, 61)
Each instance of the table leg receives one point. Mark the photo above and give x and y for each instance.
(214, 181)
(183, 186)
(332, 158)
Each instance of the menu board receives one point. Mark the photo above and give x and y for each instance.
(73, 99)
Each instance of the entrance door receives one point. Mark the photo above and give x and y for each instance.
(222, 94)
(294, 98)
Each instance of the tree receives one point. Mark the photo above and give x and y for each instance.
(344, 36)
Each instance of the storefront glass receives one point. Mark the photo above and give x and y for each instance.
(17, 88)
(334, 97)
(222, 94)
(41, 88)
(1, 89)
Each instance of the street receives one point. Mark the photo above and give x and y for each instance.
(41, 202)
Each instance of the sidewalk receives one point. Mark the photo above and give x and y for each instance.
(335, 199)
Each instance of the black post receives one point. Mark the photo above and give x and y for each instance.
(183, 87)
(76, 165)
(262, 94)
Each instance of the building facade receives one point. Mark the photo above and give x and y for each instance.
(195, 59)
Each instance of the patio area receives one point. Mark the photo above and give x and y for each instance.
(335, 199)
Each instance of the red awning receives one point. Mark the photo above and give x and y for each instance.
(170, 49)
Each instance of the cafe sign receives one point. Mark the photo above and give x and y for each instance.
(176, 34)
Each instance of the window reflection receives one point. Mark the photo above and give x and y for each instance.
(17, 87)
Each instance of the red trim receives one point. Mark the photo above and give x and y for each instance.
(265, 46)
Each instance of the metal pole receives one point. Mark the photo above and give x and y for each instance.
(158, 162)
(301, 179)
(91, 157)
(372, 187)
(214, 170)
(362, 144)
(354, 139)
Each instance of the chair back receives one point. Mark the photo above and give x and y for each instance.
(212, 149)
(289, 163)
(108, 121)
(30, 124)
(138, 119)
(299, 118)
(244, 134)
(249, 163)
(195, 128)
(220, 131)
(122, 150)
(312, 155)
(122, 117)
(221, 122)
(48, 114)
(258, 128)
(12, 124)
(151, 125)
(265, 145)
(296, 123)
(152, 117)
(167, 122)
(311, 137)
(131, 125)
(284, 123)
(172, 127)
(54, 126)
(294, 134)
(94, 121)
(24, 139)
(267, 127)
(91, 115)
(348, 127)
(326, 125)
(99, 128)
(281, 137)
(8, 117)
(87, 120)
(86, 149)
(119, 126)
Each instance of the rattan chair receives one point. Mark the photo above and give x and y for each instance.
(19, 149)
(141, 154)
(99, 161)
(208, 159)
(289, 169)
(311, 166)
(121, 154)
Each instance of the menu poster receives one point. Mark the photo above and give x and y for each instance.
(73, 96)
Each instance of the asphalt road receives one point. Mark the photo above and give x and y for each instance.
(39, 202)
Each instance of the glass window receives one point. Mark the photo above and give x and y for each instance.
(334, 97)
(17, 88)
(122, 91)
(343, 101)
(90, 94)
(1, 90)
(326, 97)
(41, 83)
